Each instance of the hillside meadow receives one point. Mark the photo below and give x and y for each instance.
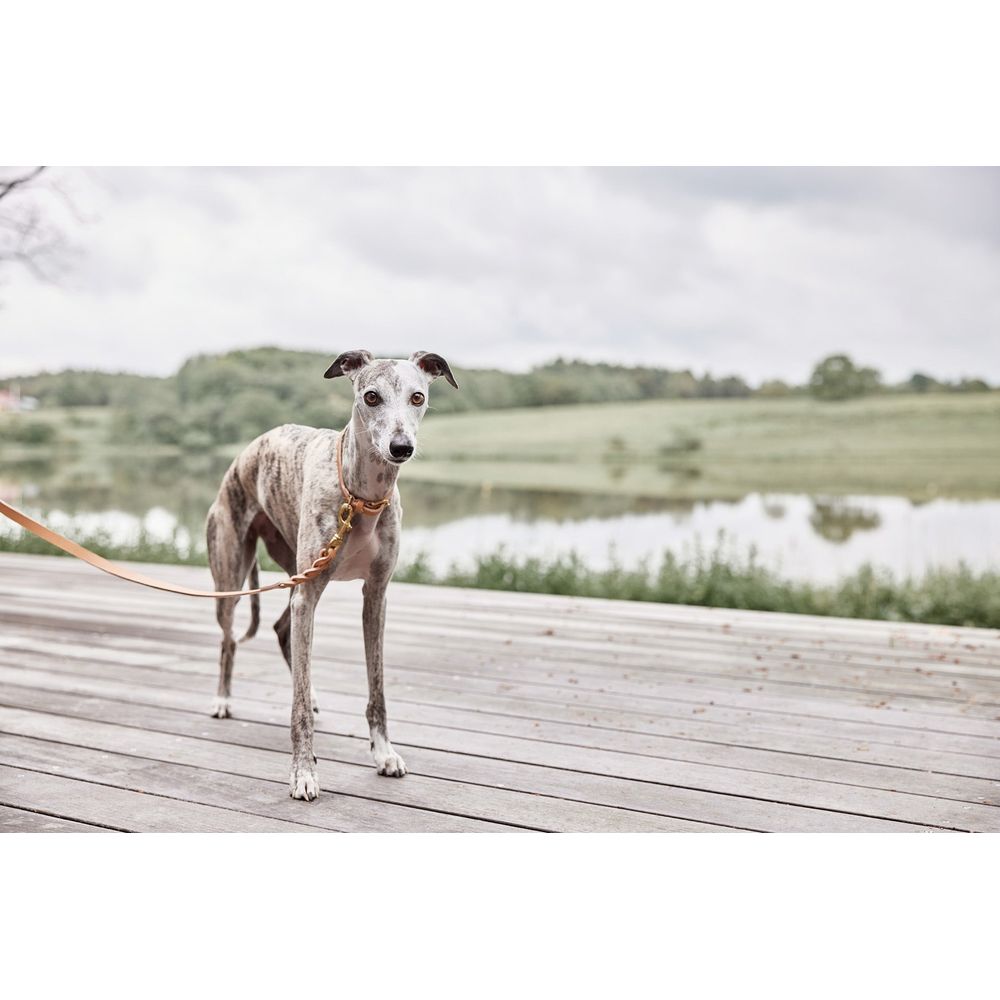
(919, 446)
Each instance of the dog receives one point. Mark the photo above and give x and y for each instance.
(284, 488)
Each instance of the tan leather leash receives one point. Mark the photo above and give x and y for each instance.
(345, 515)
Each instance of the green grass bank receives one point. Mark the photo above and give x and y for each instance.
(947, 597)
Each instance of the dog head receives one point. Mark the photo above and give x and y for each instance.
(390, 397)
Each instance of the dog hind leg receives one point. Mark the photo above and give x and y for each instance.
(230, 558)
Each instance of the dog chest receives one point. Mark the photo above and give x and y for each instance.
(358, 553)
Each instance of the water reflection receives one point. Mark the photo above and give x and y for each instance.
(837, 519)
(817, 538)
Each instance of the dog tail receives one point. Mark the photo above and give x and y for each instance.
(254, 603)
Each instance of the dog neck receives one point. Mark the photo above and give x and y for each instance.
(366, 474)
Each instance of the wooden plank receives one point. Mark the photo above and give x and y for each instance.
(721, 780)
(21, 821)
(273, 667)
(898, 648)
(531, 701)
(950, 775)
(126, 810)
(422, 803)
(71, 646)
(629, 799)
(870, 683)
(693, 717)
(600, 712)
(493, 634)
(259, 795)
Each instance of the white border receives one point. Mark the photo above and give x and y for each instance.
(546, 81)
(500, 915)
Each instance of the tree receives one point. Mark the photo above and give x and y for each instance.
(774, 387)
(972, 385)
(922, 383)
(837, 377)
(28, 236)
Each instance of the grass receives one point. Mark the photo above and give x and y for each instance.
(78, 427)
(947, 597)
(144, 549)
(718, 580)
(919, 446)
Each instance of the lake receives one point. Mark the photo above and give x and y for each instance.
(804, 537)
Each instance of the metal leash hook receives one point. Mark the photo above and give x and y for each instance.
(345, 515)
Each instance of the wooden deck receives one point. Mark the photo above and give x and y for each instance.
(513, 712)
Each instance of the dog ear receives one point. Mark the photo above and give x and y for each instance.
(434, 365)
(349, 363)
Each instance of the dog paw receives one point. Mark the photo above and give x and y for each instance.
(303, 784)
(390, 764)
(220, 708)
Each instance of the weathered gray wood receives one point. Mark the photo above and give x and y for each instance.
(250, 662)
(868, 740)
(23, 821)
(148, 652)
(210, 782)
(126, 810)
(685, 808)
(727, 781)
(950, 775)
(532, 710)
(560, 642)
(871, 684)
(898, 650)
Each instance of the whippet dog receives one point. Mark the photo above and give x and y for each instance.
(284, 489)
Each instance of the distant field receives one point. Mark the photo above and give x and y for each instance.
(81, 427)
(917, 446)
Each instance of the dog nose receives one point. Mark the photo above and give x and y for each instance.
(400, 449)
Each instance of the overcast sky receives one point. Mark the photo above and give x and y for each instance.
(758, 272)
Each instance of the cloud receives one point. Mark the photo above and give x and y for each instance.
(757, 271)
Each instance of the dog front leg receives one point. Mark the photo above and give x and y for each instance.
(303, 782)
(373, 623)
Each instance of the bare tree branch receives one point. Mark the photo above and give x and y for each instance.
(7, 186)
(28, 236)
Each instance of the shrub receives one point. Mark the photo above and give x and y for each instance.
(34, 432)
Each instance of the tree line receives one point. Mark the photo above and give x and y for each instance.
(225, 398)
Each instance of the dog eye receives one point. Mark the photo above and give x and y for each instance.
(372, 398)
(417, 399)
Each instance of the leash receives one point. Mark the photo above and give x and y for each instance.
(345, 516)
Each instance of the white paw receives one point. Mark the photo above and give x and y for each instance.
(303, 784)
(315, 701)
(220, 708)
(390, 763)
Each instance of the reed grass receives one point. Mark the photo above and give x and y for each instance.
(716, 579)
